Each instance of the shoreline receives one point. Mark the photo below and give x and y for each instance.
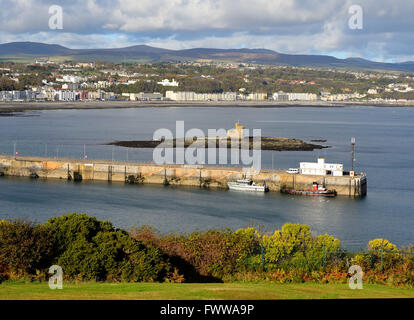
(15, 107)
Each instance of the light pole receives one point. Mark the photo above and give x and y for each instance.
(352, 153)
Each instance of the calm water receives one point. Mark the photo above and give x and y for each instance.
(385, 151)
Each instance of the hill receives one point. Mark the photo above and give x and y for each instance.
(144, 53)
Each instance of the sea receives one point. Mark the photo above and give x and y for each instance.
(384, 150)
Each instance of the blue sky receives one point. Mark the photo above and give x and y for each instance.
(287, 26)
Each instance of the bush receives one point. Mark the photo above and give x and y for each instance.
(83, 246)
(293, 247)
(91, 249)
(372, 259)
(205, 256)
(25, 249)
(69, 228)
(286, 242)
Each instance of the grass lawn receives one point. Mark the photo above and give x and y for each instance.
(196, 291)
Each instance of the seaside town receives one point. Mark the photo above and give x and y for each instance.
(207, 159)
(48, 81)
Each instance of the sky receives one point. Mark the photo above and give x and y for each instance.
(381, 30)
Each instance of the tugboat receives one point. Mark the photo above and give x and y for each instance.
(247, 185)
(317, 190)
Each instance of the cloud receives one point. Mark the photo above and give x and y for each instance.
(291, 26)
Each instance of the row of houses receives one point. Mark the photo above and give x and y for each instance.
(342, 96)
(193, 96)
(293, 96)
(233, 96)
(279, 96)
(16, 95)
(68, 95)
(142, 96)
(54, 95)
(50, 94)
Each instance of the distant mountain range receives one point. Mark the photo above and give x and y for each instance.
(144, 53)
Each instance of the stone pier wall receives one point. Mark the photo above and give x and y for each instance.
(204, 176)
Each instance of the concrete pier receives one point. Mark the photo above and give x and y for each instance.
(186, 175)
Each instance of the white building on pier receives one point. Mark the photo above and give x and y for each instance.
(321, 168)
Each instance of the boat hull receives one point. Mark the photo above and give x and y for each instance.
(327, 193)
(238, 187)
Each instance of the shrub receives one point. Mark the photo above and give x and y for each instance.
(91, 249)
(24, 248)
(69, 228)
(322, 251)
(376, 249)
(293, 247)
(113, 255)
(382, 244)
(83, 246)
(131, 259)
(208, 255)
(285, 242)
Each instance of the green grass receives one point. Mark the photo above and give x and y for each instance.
(196, 291)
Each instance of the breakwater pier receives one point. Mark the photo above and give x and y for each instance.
(185, 175)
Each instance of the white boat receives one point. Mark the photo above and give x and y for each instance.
(246, 185)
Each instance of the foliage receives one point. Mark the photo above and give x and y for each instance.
(24, 248)
(83, 246)
(381, 254)
(114, 255)
(294, 247)
(208, 255)
(382, 244)
(89, 249)
(68, 228)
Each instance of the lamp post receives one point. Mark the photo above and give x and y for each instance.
(352, 153)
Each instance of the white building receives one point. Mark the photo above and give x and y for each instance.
(180, 95)
(257, 96)
(192, 96)
(70, 78)
(6, 96)
(321, 168)
(102, 84)
(67, 95)
(70, 86)
(280, 96)
(293, 96)
(168, 83)
(143, 96)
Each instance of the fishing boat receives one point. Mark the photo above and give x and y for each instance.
(247, 185)
(317, 190)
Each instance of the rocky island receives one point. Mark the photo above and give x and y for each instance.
(267, 143)
(235, 135)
